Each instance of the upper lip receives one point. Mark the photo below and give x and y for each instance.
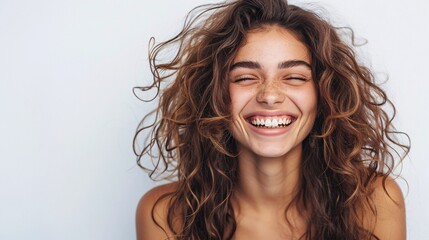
(269, 114)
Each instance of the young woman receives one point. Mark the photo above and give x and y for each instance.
(272, 129)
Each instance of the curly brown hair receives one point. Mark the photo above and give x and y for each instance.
(352, 142)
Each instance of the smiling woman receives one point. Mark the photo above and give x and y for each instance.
(271, 82)
(273, 130)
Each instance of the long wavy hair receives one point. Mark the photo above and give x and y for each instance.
(352, 142)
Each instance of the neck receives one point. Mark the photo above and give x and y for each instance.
(268, 182)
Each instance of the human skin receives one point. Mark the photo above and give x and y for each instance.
(271, 79)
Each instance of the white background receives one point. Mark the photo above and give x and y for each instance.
(68, 115)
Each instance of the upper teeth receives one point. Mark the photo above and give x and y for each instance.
(271, 122)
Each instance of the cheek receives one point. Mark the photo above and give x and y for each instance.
(305, 100)
(313, 99)
(311, 107)
(310, 97)
(234, 100)
(239, 98)
(311, 103)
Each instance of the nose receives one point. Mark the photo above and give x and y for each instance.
(270, 93)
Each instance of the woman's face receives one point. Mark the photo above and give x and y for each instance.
(273, 95)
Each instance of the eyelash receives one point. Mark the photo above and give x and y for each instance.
(243, 79)
(296, 78)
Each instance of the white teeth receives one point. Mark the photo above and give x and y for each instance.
(274, 123)
(268, 123)
(271, 123)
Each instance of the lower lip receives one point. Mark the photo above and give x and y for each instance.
(270, 131)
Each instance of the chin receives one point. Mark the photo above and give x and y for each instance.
(275, 151)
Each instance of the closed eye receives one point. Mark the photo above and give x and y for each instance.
(244, 79)
(296, 78)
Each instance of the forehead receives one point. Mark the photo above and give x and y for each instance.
(272, 41)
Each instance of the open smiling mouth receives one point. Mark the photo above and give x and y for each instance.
(274, 122)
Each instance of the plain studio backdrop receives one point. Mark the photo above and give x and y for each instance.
(68, 115)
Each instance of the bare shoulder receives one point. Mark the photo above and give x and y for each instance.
(151, 214)
(389, 221)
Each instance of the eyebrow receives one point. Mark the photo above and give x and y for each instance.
(256, 65)
(294, 63)
(245, 64)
